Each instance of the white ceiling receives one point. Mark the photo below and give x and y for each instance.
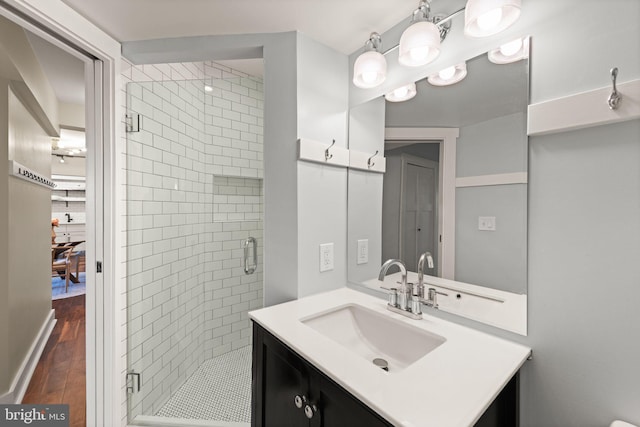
(341, 24)
(64, 71)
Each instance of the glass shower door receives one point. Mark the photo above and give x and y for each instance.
(194, 211)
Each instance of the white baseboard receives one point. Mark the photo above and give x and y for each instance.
(23, 376)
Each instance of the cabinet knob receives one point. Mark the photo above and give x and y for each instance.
(299, 401)
(310, 410)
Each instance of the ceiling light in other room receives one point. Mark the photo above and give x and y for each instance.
(484, 18)
(208, 88)
(73, 139)
(420, 43)
(61, 159)
(513, 51)
(370, 68)
(449, 75)
(403, 93)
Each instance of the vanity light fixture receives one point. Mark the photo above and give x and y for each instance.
(512, 51)
(370, 69)
(420, 42)
(484, 18)
(449, 75)
(403, 93)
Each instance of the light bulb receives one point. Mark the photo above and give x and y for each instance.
(447, 73)
(511, 48)
(208, 88)
(419, 53)
(401, 92)
(490, 19)
(61, 159)
(369, 77)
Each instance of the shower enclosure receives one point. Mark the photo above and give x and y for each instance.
(194, 247)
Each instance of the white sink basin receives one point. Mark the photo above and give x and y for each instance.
(372, 335)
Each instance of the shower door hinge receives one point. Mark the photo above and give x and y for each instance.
(98, 266)
(134, 382)
(132, 122)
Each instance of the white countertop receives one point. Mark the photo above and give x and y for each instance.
(451, 386)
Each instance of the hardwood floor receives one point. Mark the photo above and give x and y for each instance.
(60, 376)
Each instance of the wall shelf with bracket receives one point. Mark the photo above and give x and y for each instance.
(585, 110)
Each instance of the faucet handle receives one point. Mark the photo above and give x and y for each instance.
(393, 296)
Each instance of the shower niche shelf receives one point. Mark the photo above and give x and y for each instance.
(237, 199)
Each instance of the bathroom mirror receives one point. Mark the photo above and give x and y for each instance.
(455, 185)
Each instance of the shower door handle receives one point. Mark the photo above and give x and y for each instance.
(250, 267)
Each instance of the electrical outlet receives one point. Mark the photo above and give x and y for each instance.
(487, 223)
(363, 251)
(326, 257)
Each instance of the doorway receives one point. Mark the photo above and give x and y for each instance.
(410, 214)
(25, 32)
(418, 210)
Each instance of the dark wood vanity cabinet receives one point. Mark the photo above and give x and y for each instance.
(279, 375)
(282, 381)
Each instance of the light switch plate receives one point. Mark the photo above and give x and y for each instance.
(487, 223)
(326, 257)
(363, 251)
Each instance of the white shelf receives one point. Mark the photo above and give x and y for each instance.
(55, 198)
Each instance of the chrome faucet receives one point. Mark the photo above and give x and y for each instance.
(404, 299)
(429, 259)
(431, 299)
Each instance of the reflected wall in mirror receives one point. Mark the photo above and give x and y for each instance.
(455, 183)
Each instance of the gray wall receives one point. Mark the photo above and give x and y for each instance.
(322, 93)
(584, 276)
(366, 134)
(497, 259)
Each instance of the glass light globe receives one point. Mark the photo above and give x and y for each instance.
(369, 70)
(489, 20)
(511, 48)
(403, 93)
(419, 44)
(447, 73)
(449, 76)
(484, 18)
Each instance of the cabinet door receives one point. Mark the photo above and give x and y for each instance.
(278, 377)
(338, 408)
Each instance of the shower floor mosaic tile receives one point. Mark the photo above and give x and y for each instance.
(219, 390)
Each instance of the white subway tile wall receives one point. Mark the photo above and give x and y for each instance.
(194, 194)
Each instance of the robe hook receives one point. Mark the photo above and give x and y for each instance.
(328, 156)
(614, 98)
(371, 164)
